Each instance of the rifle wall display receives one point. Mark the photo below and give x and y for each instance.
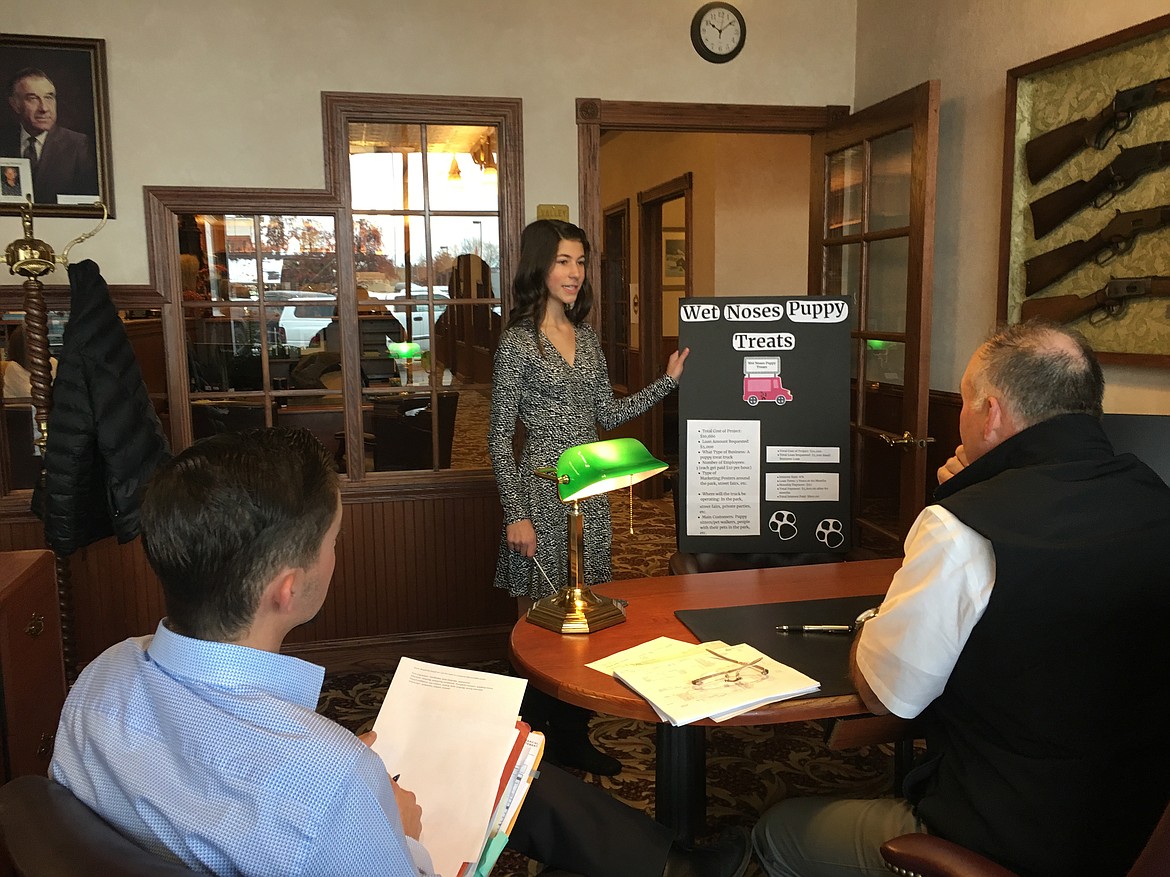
(1085, 236)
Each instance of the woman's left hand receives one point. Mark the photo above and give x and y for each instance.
(674, 365)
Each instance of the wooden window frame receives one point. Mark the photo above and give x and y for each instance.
(164, 204)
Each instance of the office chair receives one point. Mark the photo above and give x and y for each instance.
(48, 832)
(921, 855)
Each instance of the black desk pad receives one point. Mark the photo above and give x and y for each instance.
(823, 656)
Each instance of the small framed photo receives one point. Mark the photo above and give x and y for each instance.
(674, 257)
(15, 180)
(56, 124)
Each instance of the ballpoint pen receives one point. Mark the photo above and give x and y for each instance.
(814, 628)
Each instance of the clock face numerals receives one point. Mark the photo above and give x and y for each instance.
(717, 32)
(720, 31)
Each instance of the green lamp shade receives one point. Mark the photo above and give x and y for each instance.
(403, 349)
(599, 467)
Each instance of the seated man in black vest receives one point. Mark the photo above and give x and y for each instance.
(1026, 613)
(202, 743)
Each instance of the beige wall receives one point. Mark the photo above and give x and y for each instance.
(970, 46)
(227, 93)
(750, 196)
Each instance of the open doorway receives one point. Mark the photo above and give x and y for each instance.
(836, 131)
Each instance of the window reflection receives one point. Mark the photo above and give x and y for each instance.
(427, 251)
(266, 325)
(258, 293)
(844, 199)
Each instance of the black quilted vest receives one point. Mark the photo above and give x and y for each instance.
(1048, 749)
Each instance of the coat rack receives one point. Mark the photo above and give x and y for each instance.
(31, 259)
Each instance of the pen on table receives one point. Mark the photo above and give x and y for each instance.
(814, 628)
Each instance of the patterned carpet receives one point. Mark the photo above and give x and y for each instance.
(748, 768)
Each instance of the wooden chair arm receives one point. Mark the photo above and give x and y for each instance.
(921, 855)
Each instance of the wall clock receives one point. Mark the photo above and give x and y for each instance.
(718, 32)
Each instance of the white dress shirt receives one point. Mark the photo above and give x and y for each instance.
(907, 652)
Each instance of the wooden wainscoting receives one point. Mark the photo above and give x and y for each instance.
(414, 577)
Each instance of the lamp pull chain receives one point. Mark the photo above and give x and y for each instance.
(630, 488)
(543, 573)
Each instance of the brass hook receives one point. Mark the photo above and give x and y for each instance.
(64, 257)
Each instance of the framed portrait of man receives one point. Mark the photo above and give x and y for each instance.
(15, 180)
(55, 129)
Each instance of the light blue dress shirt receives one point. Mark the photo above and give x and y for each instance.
(214, 753)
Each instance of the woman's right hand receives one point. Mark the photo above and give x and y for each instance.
(674, 365)
(521, 536)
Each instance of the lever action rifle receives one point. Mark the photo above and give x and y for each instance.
(1108, 301)
(1113, 240)
(1048, 151)
(1054, 208)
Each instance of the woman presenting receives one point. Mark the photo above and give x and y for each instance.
(550, 373)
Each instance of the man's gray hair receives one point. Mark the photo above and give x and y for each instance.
(1042, 370)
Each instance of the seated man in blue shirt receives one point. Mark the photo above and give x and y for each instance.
(202, 742)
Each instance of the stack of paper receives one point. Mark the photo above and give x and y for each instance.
(452, 738)
(684, 682)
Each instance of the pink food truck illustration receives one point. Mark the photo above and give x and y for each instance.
(761, 381)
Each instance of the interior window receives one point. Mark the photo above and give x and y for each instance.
(426, 218)
(367, 312)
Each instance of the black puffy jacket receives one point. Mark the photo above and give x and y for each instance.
(104, 438)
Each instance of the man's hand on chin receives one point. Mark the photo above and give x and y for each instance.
(953, 466)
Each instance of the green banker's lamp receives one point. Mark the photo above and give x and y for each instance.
(583, 471)
(403, 349)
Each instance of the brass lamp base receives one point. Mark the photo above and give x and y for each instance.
(576, 610)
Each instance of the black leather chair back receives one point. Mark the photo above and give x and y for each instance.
(48, 832)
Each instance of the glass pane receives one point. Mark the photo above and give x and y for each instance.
(385, 248)
(465, 341)
(469, 446)
(243, 260)
(877, 500)
(885, 361)
(299, 254)
(452, 237)
(212, 416)
(402, 426)
(462, 164)
(844, 199)
(224, 349)
(889, 203)
(385, 169)
(842, 274)
(888, 266)
(306, 321)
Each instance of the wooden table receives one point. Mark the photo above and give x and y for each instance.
(555, 663)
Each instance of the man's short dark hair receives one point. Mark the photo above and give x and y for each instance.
(227, 514)
(1043, 370)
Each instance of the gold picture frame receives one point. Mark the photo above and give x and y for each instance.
(674, 258)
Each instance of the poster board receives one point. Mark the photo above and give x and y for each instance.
(764, 425)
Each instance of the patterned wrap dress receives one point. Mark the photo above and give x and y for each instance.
(560, 406)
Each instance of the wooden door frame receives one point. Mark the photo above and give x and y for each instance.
(595, 115)
(916, 108)
(620, 208)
